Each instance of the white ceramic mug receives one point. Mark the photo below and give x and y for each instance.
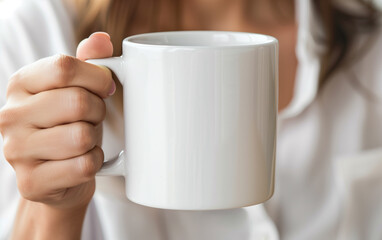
(200, 112)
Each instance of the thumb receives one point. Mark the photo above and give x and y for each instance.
(98, 45)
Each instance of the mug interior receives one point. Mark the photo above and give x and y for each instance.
(201, 39)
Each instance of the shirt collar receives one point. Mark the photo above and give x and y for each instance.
(307, 52)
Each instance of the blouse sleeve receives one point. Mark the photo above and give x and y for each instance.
(365, 72)
(29, 30)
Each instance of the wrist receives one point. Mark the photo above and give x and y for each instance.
(41, 221)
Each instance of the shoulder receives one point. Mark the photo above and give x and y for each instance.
(40, 26)
(368, 53)
(366, 68)
(30, 30)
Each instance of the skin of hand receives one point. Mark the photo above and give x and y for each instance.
(52, 129)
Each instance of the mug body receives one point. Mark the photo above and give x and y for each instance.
(200, 118)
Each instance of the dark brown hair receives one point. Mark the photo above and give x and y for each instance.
(121, 18)
(340, 31)
(340, 27)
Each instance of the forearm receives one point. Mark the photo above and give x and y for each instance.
(39, 221)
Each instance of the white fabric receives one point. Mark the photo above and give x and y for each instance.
(307, 55)
(329, 161)
(329, 156)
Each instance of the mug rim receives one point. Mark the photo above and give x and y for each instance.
(268, 40)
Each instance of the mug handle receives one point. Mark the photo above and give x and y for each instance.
(114, 166)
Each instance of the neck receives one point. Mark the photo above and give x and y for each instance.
(236, 14)
(212, 14)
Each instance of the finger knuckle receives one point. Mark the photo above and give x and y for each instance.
(83, 136)
(11, 150)
(98, 156)
(14, 82)
(87, 165)
(80, 105)
(102, 110)
(65, 67)
(107, 79)
(27, 187)
(7, 117)
(55, 196)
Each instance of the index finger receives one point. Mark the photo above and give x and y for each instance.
(63, 71)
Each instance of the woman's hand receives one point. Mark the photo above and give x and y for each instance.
(52, 129)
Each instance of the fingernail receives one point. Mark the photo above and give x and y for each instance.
(113, 88)
(101, 33)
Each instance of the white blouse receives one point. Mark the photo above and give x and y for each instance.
(329, 149)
